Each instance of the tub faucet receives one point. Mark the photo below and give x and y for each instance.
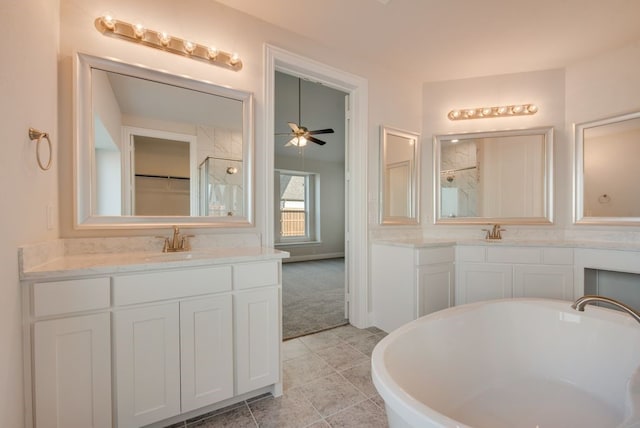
(494, 233)
(178, 242)
(585, 300)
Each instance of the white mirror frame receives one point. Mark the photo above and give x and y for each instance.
(578, 181)
(413, 191)
(547, 217)
(84, 165)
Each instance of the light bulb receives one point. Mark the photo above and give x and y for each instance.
(501, 110)
(486, 111)
(454, 114)
(165, 38)
(189, 47)
(454, 141)
(301, 142)
(235, 58)
(532, 108)
(212, 52)
(138, 30)
(517, 109)
(108, 21)
(470, 113)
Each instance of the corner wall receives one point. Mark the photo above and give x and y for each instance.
(28, 84)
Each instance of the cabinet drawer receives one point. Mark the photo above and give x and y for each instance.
(470, 254)
(149, 287)
(251, 275)
(514, 255)
(557, 256)
(430, 256)
(53, 298)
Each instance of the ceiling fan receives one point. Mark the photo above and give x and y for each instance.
(300, 134)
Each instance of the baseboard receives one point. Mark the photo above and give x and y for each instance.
(308, 257)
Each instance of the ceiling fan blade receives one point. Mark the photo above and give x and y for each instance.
(315, 140)
(321, 131)
(293, 127)
(291, 141)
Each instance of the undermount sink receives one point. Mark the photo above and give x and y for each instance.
(183, 255)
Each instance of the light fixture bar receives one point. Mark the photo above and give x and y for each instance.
(136, 33)
(488, 112)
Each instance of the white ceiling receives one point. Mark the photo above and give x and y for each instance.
(451, 39)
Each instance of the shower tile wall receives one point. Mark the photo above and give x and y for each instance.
(219, 143)
(461, 195)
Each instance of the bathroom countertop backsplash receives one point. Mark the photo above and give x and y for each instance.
(104, 256)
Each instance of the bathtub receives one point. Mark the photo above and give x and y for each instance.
(512, 363)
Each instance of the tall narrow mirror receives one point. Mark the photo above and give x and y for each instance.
(494, 177)
(399, 165)
(607, 173)
(154, 148)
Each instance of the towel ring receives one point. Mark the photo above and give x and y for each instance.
(34, 134)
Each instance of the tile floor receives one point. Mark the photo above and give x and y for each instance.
(327, 383)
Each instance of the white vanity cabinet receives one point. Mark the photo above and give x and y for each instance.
(128, 350)
(409, 281)
(71, 353)
(485, 272)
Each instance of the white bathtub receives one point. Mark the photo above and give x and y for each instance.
(512, 363)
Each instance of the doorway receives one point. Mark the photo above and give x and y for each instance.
(355, 213)
(309, 203)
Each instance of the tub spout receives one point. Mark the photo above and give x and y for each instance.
(585, 300)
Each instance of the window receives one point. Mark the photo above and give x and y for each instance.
(296, 206)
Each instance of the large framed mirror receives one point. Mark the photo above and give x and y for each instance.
(399, 166)
(156, 149)
(606, 171)
(503, 177)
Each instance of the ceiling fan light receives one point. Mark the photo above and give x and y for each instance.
(301, 142)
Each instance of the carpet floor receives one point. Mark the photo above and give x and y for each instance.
(312, 296)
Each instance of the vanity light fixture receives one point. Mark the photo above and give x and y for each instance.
(137, 33)
(487, 112)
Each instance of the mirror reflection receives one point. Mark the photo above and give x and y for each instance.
(398, 176)
(606, 165)
(158, 145)
(501, 176)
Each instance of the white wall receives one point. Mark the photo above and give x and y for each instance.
(603, 86)
(393, 100)
(544, 88)
(29, 98)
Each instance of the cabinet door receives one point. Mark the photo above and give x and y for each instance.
(483, 281)
(72, 372)
(257, 318)
(550, 282)
(435, 288)
(206, 351)
(147, 366)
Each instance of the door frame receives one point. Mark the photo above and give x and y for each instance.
(356, 158)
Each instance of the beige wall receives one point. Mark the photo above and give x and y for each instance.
(29, 98)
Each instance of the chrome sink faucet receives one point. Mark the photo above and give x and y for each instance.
(585, 300)
(494, 233)
(178, 242)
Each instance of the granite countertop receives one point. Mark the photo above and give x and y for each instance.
(125, 262)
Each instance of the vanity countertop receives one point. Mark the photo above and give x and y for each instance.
(125, 262)
(431, 243)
